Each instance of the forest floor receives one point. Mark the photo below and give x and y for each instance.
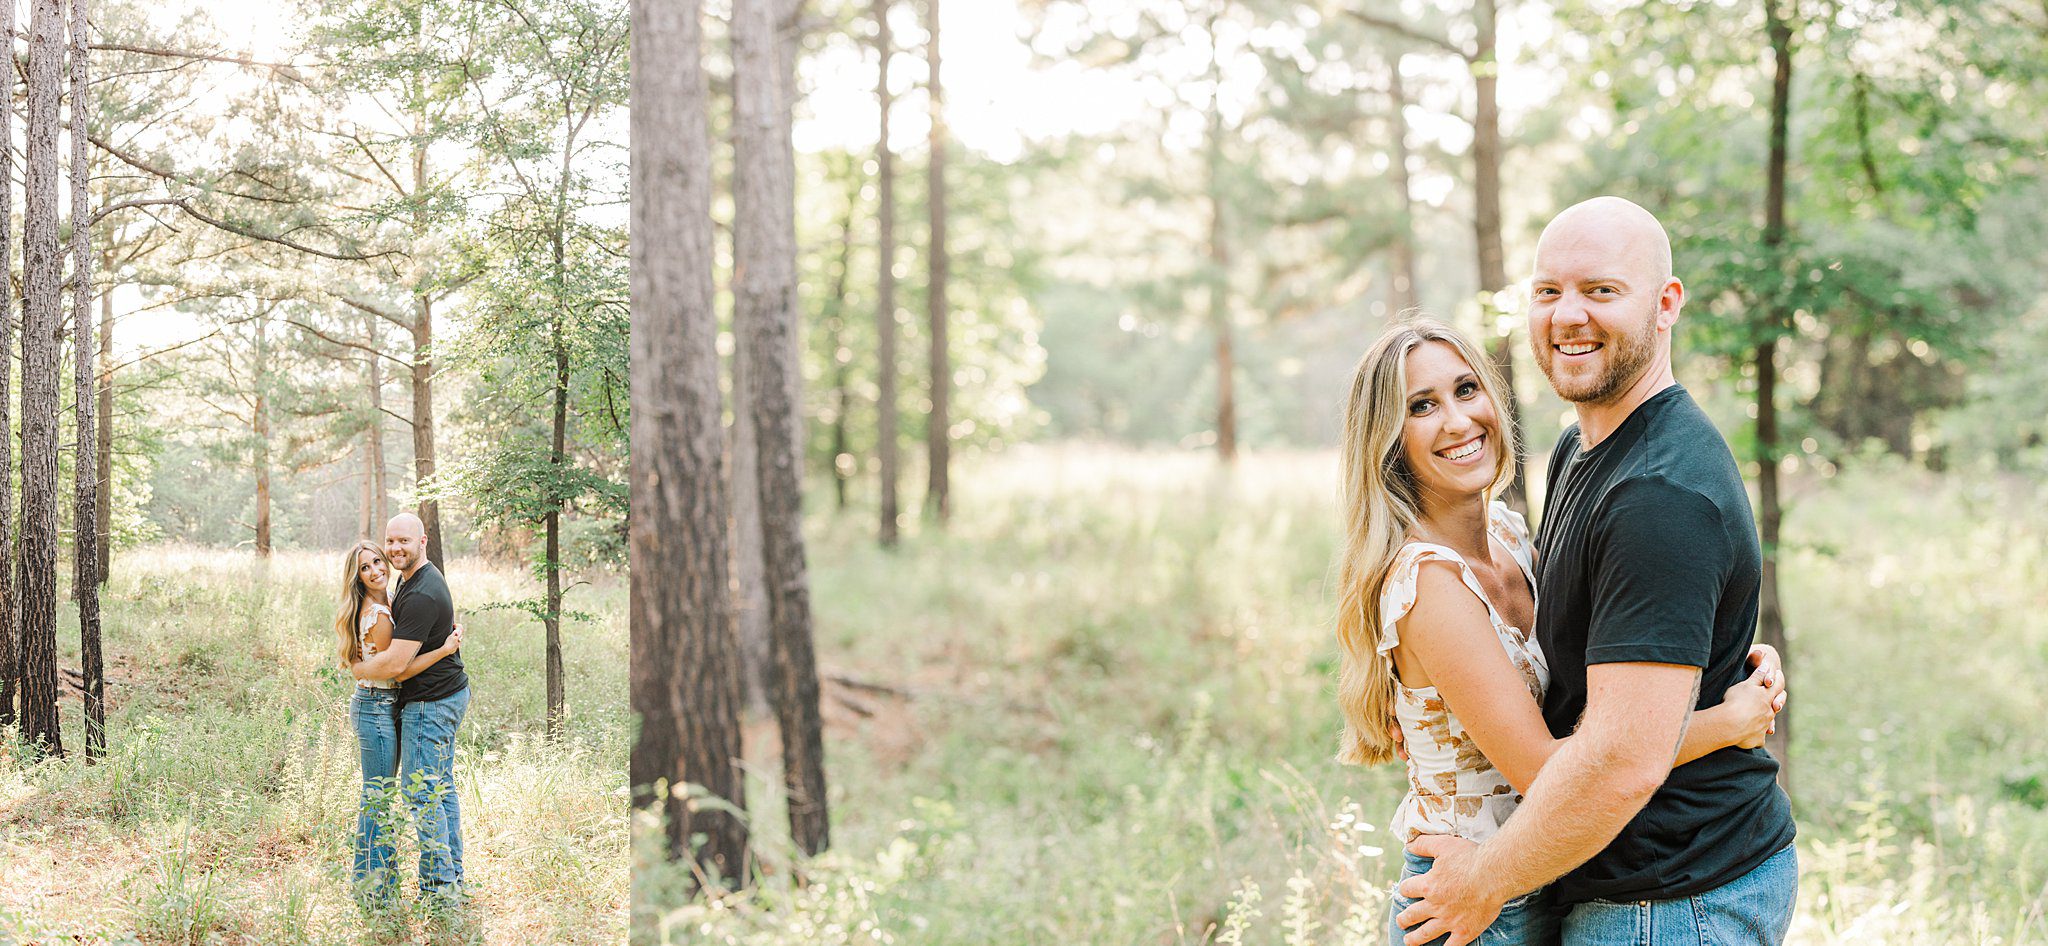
(1117, 722)
(223, 812)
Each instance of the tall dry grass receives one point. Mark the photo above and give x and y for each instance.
(1120, 717)
(224, 810)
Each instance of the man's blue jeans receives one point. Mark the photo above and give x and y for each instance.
(1752, 910)
(427, 774)
(375, 716)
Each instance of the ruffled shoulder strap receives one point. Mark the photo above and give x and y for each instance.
(1512, 530)
(1397, 595)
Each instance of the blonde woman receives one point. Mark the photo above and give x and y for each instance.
(363, 625)
(1437, 608)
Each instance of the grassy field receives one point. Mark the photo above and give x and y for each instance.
(1115, 722)
(224, 810)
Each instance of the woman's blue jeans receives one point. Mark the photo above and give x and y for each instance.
(374, 873)
(1524, 921)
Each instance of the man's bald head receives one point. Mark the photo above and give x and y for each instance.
(405, 542)
(1621, 229)
(1602, 302)
(406, 523)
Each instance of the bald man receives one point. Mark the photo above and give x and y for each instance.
(431, 705)
(1647, 599)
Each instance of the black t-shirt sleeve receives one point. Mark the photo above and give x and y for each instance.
(417, 619)
(1660, 561)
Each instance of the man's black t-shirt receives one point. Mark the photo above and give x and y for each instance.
(424, 611)
(1649, 553)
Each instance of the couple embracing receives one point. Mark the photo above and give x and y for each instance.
(1581, 725)
(400, 640)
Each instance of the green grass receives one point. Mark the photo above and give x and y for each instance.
(223, 812)
(1120, 718)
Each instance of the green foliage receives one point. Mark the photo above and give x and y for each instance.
(180, 909)
(546, 326)
(1914, 211)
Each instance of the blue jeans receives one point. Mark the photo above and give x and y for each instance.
(1524, 921)
(1754, 909)
(374, 873)
(427, 774)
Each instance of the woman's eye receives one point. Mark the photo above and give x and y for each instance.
(1467, 389)
(1419, 407)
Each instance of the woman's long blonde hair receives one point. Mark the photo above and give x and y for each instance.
(1381, 506)
(347, 620)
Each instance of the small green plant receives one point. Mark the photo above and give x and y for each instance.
(181, 909)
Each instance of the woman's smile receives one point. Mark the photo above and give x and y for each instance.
(1465, 452)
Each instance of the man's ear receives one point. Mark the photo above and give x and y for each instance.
(1670, 300)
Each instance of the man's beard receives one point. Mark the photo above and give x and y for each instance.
(1627, 355)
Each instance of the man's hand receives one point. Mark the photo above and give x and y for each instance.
(1449, 899)
(1765, 658)
(1753, 705)
(454, 642)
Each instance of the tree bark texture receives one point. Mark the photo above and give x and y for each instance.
(1405, 289)
(429, 511)
(685, 674)
(380, 489)
(1770, 616)
(1493, 274)
(885, 289)
(42, 321)
(765, 316)
(843, 461)
(103, 447)
(10, 610)
(84, 473)
(750, 596)
(938, 433)
(260, 414)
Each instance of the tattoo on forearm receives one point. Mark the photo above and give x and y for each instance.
(1685, 722)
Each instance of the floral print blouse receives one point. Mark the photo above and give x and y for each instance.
(1452, 788)
(369, 620)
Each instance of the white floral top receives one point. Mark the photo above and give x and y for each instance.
(369, 620)
(1452, 788)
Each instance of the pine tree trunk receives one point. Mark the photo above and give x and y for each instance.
(10, 646)
(1770, 617)
(103, 447)
(1219, 268)
(423, 419)
(85, 480)
(765, 317)
(558, 694)
(885, 289)
(423, 350)
(1405, 289)
(41, 323)
(938, 433)
(750, 599)
(380, 490)
(843, 462)
(366, 509)
(685, 675)
(261, 415)
(1493, 273)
